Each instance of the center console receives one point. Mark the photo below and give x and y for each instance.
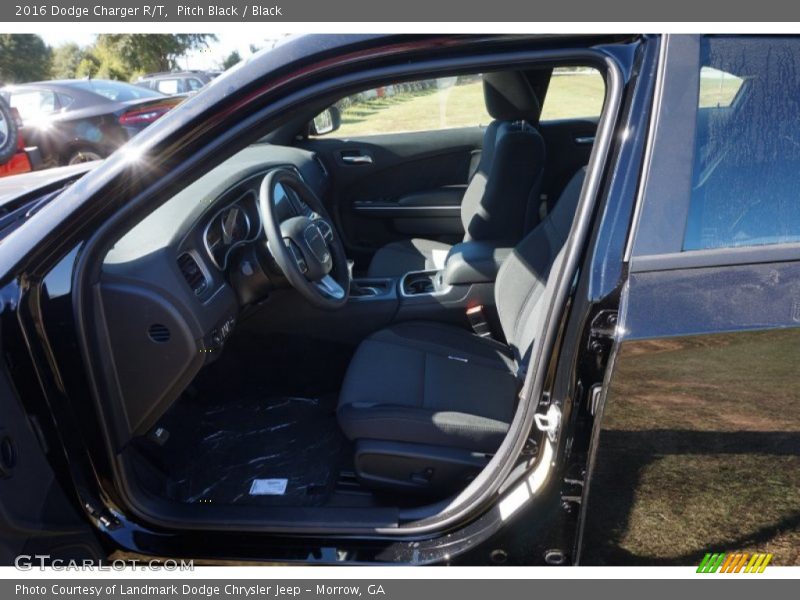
(466, 280)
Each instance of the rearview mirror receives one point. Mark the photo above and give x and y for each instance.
(328, 120)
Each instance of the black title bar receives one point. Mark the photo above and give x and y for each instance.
(444, 11)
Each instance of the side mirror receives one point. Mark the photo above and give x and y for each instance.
(327, 121)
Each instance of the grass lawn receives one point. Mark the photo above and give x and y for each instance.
(579, 95)
(700, 451)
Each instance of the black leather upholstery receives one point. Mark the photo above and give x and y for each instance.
(435, 384)
(505, 187)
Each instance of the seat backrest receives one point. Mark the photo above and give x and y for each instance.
(521, 290)
(505, 187)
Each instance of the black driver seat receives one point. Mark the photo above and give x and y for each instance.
(420, 399)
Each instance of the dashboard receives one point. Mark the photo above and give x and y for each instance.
(173, 285)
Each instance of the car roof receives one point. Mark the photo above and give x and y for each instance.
(173, 74)
(67, 84)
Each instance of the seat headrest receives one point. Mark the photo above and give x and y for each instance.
(510, 97)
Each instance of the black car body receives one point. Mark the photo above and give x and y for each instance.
(657, 421)
(73, 121)
(177, 82)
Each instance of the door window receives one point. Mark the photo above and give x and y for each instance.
(746, 174)
(574, 93)
(167, 86)
(424, 105)
(33, 104)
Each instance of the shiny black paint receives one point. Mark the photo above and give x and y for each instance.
(700, 443)
(46, 317)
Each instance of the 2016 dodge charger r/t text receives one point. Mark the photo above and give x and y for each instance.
(419, 299)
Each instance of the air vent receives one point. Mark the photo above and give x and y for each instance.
(192, 273)
(158, 333)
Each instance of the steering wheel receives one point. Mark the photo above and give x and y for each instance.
(306, 248)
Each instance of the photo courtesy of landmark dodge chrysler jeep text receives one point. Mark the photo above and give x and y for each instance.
(419, 299)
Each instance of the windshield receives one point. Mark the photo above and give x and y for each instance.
(116, 90)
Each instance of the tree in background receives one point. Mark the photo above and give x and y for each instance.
(103, 61)
(146, 53)
(230, 60)
(23, 57)
(66, 60)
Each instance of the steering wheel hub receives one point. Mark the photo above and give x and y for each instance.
(316, 243)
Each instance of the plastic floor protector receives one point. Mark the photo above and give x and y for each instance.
(280, 451)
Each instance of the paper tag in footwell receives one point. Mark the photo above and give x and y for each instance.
(268, 487)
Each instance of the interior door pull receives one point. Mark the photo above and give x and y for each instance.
(357, 159)
(584, 140)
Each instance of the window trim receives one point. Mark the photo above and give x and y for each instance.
(718, 257)
(665, 191)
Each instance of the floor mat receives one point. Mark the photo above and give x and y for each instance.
(216, 450)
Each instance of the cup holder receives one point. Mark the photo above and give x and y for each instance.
(371, 288)
(419, 283)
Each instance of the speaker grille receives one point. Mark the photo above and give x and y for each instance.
(158, 333)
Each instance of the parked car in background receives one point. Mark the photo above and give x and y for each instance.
(14, 157)
(176, 82)
(73, 121)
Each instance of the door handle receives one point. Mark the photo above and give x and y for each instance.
(584, 140)
(357, 159)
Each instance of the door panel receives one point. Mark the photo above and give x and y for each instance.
(36, 517)
(402, 185)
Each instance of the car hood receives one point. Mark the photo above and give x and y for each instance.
(16, 186)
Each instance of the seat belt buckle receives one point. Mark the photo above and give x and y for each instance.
(478, 322)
